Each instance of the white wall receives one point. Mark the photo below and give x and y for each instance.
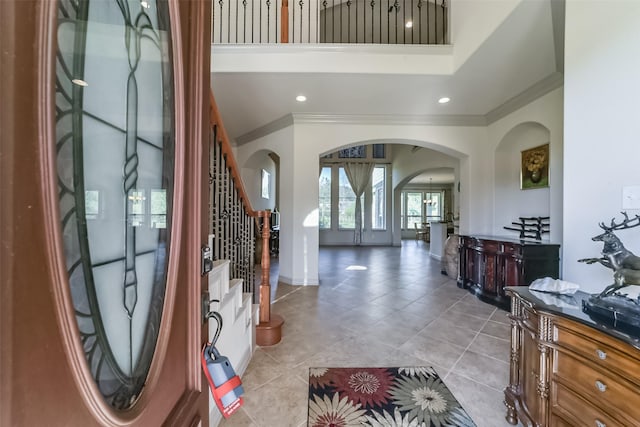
(602, 129)
(532, 125)
(473, 21)
(251, 172)
(298, 197)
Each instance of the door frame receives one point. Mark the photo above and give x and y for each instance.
(35, 335)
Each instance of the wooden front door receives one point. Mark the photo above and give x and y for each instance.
(103, 211)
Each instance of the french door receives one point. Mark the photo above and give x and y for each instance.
(103, 182)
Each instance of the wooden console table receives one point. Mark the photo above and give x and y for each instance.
(488, 264)
(567, 368)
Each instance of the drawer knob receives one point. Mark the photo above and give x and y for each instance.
(600, 424)
(601, 354)
(602, 387)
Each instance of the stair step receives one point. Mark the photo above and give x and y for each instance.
(219, 279)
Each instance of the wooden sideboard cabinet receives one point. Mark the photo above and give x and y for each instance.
(567, 368)
(489, 264)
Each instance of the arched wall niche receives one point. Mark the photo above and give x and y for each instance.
(512, 202)
(253, 178)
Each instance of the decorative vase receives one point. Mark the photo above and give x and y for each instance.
(536, 175)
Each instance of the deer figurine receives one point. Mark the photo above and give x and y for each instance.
(625, 265)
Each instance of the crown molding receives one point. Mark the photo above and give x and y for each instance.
(543, 87)
(390, 119)
(361, 119)
(276, 125)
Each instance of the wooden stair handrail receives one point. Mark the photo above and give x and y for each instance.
(284, 22)
(225, 144)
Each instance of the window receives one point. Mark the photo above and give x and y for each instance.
(421, 206)
(324, 208)
(137, 207)
(357, 152)
(346, 202)
(158, 208)
(413, 208)
(265, 184)
(378, 151)
(336, 199)
(378, 199)
(433, 206)
(91, 204)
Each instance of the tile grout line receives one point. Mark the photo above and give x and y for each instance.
(472, 341)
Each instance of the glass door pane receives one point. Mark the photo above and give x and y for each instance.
(414, 209)
(115, 145)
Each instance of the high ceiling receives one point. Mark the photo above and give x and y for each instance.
(517, 59)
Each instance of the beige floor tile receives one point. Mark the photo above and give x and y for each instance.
(445, 331)
(483, 369)
(262, 369)
(282, 402)
(491, 346)
(482, 310)
(462, 320)
(238, 419)
(498, 330)
(484, 404)
(294, 348)
(400, 312)
(501, 316)
(434, 351)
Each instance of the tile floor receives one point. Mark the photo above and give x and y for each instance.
(379, 306)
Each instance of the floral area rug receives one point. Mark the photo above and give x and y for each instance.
(382, 397)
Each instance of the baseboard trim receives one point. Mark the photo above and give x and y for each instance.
(298, 282)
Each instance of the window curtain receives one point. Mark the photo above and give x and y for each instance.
(359, 175)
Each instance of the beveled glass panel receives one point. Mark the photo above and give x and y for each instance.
(115, 145)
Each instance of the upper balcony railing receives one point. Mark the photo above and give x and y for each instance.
(330, 21)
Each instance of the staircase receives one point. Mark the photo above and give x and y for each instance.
(239, 318)
(232, 280)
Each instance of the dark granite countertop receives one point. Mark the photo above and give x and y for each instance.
(511, 239)
(570, 306)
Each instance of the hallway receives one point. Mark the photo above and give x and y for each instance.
(379, 306)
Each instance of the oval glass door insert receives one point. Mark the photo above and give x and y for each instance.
(115, 163)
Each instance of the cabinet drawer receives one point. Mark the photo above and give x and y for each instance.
(487, 246)
(607, 353)
(556, 421)
(512, 249)
(568, 405)
(610, 392)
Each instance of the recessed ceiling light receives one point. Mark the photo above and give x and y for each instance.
(301, 98)
(145, 4)
(80, 82)
(409, 24)
(444, 100)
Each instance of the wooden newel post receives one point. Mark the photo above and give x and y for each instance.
(284, 22)
(269, 328)
(265, 286)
